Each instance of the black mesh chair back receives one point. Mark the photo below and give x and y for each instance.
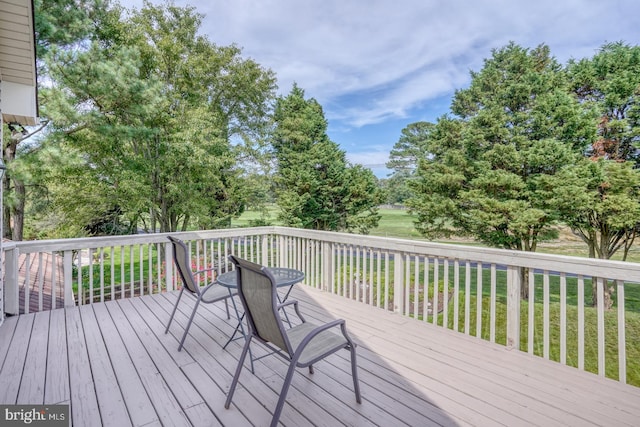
(213, 292)
(302, 345)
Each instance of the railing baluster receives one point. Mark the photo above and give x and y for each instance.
(467, 297)
(435, 308)
(425, 290)
(416, 286)
(545, 314)
(141, 264)
(352, 277)
(159, 268)
(101, 260)
(601, 349)
(27, 285)
(492, 315)
(54, 287)
(531, 315)
(131, 271)
(456, 294)
(407, 284)
(622, 341)
(581, 322)
(445, 295)
(479, 310)
(387, 284)
(371, 276)
(80, 281)
(67, 262)
(378, 280)
(40, 277)
(112, 271)
(563, 318)
(123, 280)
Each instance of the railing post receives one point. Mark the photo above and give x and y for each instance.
(398, 282)
(67, 275)
(168, 266)
(265, 250)
(11, 291)
(514, 283)
(2, 272)
(327, 266)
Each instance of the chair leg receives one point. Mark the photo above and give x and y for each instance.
(354, 373)
(186, 329)
(283, 393)
(236, 376)
(226, 306)
(175, 307)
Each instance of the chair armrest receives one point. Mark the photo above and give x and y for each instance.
(294, 303)
(311, 335)
(205, 270)
(287, 303)
(323, 328)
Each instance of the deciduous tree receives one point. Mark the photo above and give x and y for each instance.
(153, 108)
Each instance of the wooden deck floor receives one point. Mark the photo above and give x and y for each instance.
(115, 365)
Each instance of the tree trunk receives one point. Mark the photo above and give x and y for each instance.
(7, 212)
(524, 283)
(607, 292)
(18, 210)
(9, 157)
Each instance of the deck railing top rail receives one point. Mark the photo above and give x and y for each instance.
(615, 270)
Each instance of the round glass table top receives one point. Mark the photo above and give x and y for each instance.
(283, 276)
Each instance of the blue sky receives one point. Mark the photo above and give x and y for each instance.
(378, 65)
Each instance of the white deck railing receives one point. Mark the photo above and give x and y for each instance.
(478, 289)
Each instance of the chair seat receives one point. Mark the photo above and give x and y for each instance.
(326, 342)
(214, 292)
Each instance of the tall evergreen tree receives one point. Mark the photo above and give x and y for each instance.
(483, 173)
(316, 187)
(403, 160)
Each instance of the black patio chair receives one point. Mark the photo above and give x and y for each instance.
(302, 345)
(211, 293)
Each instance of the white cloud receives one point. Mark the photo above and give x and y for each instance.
(369, 61)
(377, 157)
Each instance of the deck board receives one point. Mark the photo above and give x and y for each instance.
(57, 375)
(33, 378)
(135, 397)
(81, 380)
(13, 366)
(115, 365)
(113, 410)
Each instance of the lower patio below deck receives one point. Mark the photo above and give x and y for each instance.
(115, 366)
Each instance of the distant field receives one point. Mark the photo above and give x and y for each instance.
(398, 223)
(393, 222)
